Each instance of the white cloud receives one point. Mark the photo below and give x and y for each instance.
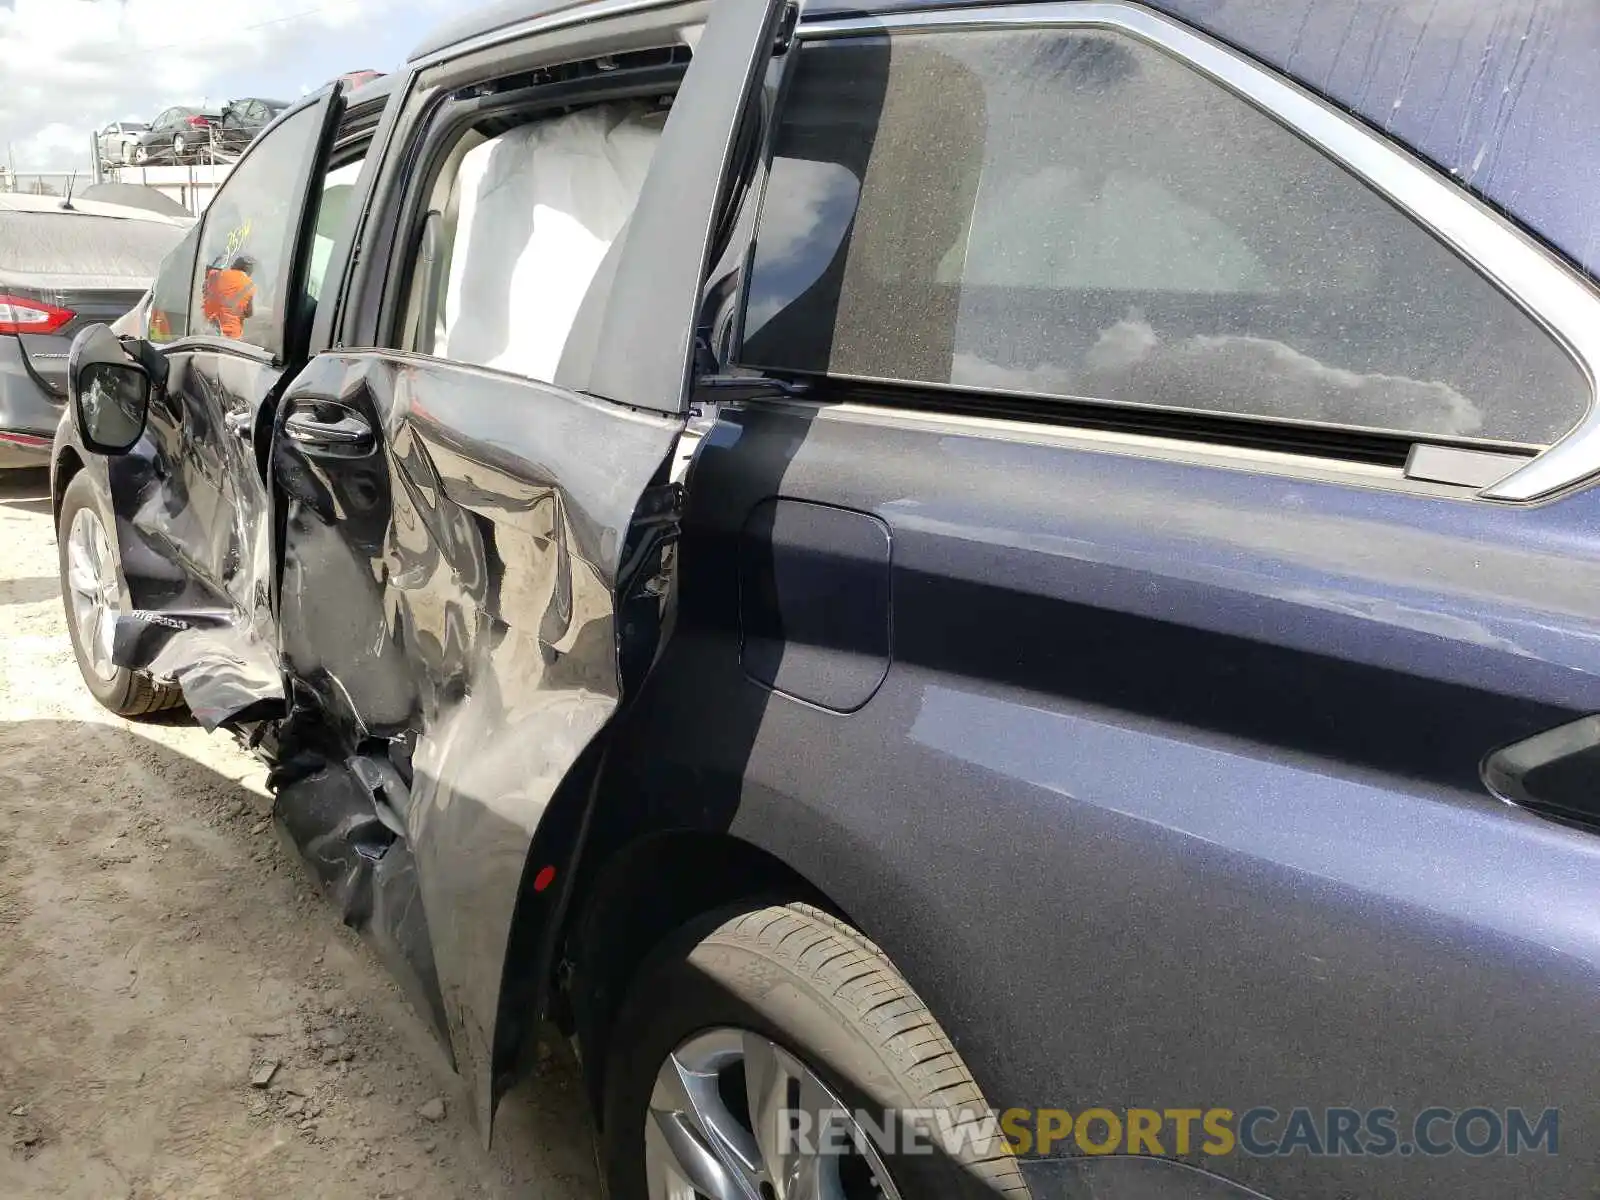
(70, 66)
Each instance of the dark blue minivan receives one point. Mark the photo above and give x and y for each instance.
(971, 600)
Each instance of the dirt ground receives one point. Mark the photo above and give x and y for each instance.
(159, 951)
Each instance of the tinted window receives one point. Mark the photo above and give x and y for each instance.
(250, 231)
(174, 285)
(1078, 214)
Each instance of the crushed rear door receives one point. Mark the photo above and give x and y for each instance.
(476, 573)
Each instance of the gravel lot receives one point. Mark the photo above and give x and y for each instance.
(158, 948)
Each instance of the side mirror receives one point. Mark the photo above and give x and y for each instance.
(110, 392)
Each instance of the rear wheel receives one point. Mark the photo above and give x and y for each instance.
(141, 154)
(92, 592)
(778, 1053)
(180, 147)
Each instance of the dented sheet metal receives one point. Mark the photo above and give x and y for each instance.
(225, 674)
(449, 612)
(194, 534)
(362, 864)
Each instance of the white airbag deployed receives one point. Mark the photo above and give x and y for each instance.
(538, 207)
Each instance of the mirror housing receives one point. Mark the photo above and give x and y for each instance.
(110, 390)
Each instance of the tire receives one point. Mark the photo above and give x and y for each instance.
(126, 692)
(830, 1002)
(141, 155)
(179, 148)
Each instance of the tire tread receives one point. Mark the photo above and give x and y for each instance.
(864, 985)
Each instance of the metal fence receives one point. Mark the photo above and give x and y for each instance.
(190, 184)
(42, 183)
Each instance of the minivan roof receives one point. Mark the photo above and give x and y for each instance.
(489, 18)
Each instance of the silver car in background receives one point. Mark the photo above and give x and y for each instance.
(118, 141)
(62, 268)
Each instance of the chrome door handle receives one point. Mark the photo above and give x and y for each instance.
(329, 428)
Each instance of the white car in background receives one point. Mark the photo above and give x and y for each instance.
(118, 140)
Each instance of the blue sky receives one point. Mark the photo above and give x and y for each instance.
(71, 66)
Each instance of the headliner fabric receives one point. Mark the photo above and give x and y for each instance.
(539, 207)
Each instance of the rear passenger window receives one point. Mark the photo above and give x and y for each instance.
(522, 231)
(1078, 214)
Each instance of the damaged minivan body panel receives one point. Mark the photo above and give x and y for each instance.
(193, 530)
(475, 567)
(450, 627)
(193, 514)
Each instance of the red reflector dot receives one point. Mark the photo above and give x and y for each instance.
(545, 877)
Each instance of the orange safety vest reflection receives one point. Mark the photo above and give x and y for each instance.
(228, 300)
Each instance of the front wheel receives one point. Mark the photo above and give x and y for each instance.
(778, 1053)
(92, 592)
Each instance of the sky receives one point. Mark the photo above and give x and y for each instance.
(69, 67)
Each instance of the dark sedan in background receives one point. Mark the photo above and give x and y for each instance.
(60, 270)
(175, 135)
(242, 121)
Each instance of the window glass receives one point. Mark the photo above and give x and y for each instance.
(332, 208)
(1074, 213)
(250, 231)
(170, 295)
(518, 230)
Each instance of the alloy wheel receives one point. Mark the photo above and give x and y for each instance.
(178, 146)
(95, 591)
(723, 1116)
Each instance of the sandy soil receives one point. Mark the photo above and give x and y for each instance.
(158, 949)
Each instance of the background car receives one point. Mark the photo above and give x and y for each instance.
(175, 135)
(119, 141)
(135, 195)
(241, 121)
(62, 269)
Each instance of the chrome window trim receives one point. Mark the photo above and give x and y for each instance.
(1540, 284)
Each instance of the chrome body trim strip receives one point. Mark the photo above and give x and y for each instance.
(1554, 295)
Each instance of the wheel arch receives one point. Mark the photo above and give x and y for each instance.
(632, 890)
(66, 465)
(644, 893)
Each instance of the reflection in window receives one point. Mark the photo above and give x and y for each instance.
(250, 230)
(171, 293)
(1075, 213)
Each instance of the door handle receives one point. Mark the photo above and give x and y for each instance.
(1555, 774)
(328, 429)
